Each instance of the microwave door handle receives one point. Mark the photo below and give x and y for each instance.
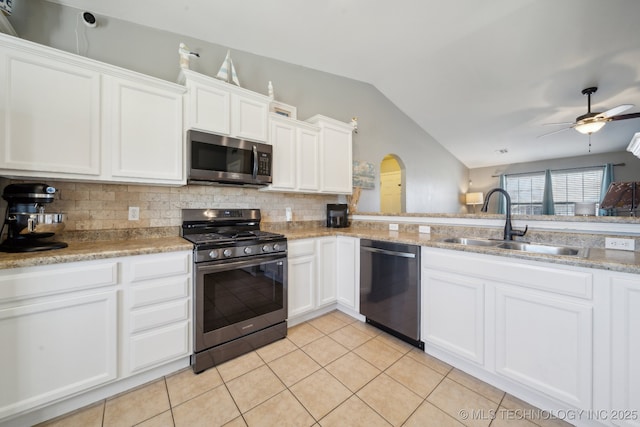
(255, 162)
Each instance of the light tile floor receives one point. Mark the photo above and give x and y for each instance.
(329, 371)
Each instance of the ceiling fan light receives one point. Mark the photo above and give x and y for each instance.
(590, 127)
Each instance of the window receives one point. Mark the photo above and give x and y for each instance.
(575, 186)
(526, 191)
(570, 186)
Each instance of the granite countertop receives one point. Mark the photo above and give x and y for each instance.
(97, 249)
(604, 259)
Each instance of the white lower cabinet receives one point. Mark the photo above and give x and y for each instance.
(348, 272)
(625, 349)
(545, 342)
(323, 274)
(59, 330)
(301, 283)
(327, 270)
(453, 313)
(70, 328)
(528, 323)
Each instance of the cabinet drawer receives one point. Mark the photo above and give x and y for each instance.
(159, 315)
(157, 266)
(47, 280)
(301, 247)
(158, 346)
(160, 291)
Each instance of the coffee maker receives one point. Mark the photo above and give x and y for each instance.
(337, 215)
(28, 226)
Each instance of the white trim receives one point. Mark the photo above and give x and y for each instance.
(634, 145)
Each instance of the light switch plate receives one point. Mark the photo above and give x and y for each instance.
(393, 227)
(424, 229)
(288, 214)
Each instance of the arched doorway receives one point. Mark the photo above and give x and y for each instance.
(392, 185)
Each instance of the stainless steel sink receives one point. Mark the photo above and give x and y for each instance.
(520, 246)
(544, 249)
(471, 242)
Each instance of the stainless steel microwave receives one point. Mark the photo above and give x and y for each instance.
(226, 160)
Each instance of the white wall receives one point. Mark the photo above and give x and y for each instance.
(435, 179)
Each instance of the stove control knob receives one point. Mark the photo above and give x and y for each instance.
(248, 250)
(276, 247)
(227, 252)
(265, 248)
(213, 254)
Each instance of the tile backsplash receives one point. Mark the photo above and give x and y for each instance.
(95, 206)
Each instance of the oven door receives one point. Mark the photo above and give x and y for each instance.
(237, 298)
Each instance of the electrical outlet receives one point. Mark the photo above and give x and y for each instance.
(424, 229)
(288, 214)
(621, 244)
(393, 227)
(134, 213)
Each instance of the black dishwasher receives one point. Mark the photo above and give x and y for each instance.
(390, 288)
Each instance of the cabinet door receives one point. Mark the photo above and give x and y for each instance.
(283, 139)
(625, 348)
(54, 348)
(545, 342)
(307, 144)
(327, 270)
(145, 132)
(453, 313)
(302, 277)
(209, 108)
(49, 118)
(336, 159)
(348, 272)
(249, 117)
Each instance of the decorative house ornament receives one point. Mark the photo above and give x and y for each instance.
(270, 90)
(185, 53)
(6, 6)
(227, 71)
(354, 123)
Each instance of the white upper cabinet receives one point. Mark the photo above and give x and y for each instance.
(219, 107)
(142, 150)
(295, 155)
(65, 116)
(49, 116)
(311, 157)
(335, 155)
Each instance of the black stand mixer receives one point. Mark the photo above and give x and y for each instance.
(27, 224)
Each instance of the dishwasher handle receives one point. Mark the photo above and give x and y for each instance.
(387, 252)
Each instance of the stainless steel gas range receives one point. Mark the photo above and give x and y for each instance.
(240, 284)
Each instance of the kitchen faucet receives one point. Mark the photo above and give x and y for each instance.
(509, 232)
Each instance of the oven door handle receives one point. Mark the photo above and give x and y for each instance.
(231, 265)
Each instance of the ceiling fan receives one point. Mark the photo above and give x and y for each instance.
(592, 122)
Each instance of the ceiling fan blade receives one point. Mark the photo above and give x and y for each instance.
(614, 111)
(625, 116)
(555, 131)
(558, 124)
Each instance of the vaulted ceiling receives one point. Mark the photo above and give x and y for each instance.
(481, 76)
